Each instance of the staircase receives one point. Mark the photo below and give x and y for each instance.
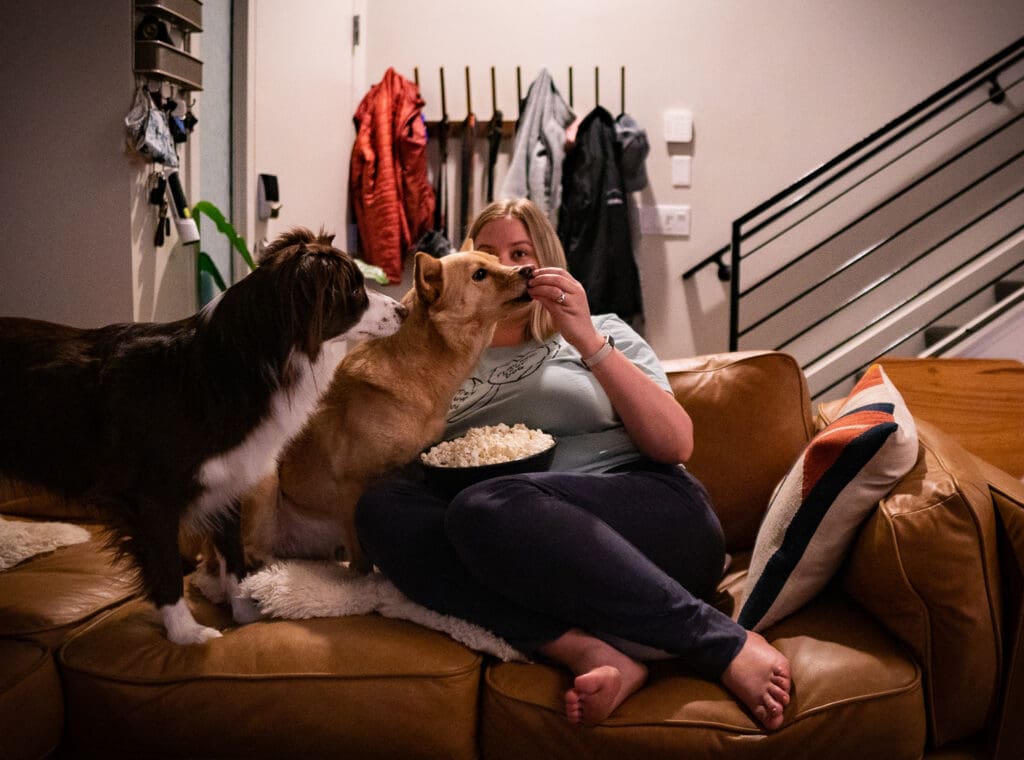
(942, 339)
(909, 243)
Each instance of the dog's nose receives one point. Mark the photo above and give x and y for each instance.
(526, 272)
(401, 311)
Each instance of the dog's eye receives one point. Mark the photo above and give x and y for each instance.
(480, 274)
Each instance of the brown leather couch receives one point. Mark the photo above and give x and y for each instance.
(914, 650)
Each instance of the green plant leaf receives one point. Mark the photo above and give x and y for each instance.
(206, 264)
(224, 226)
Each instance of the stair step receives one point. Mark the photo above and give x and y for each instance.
(935, 333)
(1005, 288)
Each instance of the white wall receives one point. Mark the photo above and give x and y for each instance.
(293, 81)
(776, 88)
(75, 228)
(64, 181)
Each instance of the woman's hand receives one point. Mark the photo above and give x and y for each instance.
(655, 421)
(563, 297)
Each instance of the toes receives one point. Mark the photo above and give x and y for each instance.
(573, 707)
(771, 713)
(779, 694)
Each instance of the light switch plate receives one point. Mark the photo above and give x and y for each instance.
(680, 171)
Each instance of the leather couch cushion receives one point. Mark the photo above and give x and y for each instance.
(849, 675)
(47, 596)
(359, 686)
(746, 407)
(31, 708)
(926, 565)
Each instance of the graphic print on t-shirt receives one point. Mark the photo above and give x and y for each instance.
(477, 392)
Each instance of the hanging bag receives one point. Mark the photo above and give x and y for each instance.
(147, 130)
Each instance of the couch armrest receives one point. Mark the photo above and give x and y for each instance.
(926, 565)
(752, 417)
(1008, 498)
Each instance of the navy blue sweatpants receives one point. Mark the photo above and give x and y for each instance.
(630, 553)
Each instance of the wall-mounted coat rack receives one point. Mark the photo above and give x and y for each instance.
(156, 54)
(507, 125)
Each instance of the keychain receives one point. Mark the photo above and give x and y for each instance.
(190, 118)
(158, 197)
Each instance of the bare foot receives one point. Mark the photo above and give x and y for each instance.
(759, 677)
(596, 694)
(605, 677)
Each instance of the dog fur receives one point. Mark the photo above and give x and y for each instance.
(387, 402)
(164, 426)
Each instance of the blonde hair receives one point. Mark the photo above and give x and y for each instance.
(546, 246)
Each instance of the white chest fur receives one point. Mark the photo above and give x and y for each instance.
(230, 474)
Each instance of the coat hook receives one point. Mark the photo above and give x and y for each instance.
(519, 88)
(622, 88)
(444, 101)
(597, 87)
(416, 75)
(570, 87)
(494, 96)
(469, 100)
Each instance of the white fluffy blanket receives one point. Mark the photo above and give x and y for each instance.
(21, 540)
(299, 589)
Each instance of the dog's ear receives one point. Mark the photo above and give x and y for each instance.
(429, 276)
(468, 245)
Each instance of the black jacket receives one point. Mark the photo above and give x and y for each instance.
(593, 221)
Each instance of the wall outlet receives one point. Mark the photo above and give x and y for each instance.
(665, 220)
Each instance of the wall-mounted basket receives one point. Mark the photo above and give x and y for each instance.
(158, 59)
(187, 15)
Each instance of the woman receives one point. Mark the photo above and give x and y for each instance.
(616, 545)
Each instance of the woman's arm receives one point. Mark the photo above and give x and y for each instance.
(655, 421)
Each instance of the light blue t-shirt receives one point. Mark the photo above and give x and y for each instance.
(546, 386)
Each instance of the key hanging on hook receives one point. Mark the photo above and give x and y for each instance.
(163, 225)
(158, 187)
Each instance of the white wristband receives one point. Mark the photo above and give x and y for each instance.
(598, 356)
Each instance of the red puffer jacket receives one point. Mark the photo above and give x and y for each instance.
(391, 196)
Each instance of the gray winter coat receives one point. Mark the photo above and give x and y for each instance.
(535, 171)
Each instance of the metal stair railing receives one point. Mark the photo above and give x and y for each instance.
(792, 207)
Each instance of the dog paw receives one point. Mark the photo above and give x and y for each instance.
(182, 628)
(244, 611)
(197, 635)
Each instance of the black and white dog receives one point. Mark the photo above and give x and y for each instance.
(167, 425)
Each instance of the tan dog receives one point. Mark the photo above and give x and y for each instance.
(386, 403)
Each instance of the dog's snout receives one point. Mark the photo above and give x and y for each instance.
(526, 272)
(401, 311)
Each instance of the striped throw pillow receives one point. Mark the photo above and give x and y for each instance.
(819, 505)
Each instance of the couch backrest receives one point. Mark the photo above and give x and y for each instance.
(25, 500)
(752, 417)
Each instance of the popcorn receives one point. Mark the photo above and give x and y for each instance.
(491, 444)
